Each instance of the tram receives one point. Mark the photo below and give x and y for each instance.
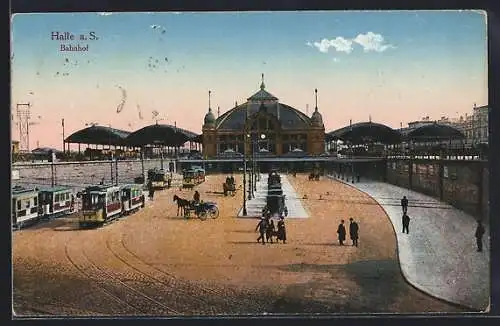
(55, 202)
(132, 198)
(24, 206)
(100, 204)
(189, 178)
(199, 174)
(159, 179)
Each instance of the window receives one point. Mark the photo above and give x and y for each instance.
(27, 203)
(18, 205)
(35, 201)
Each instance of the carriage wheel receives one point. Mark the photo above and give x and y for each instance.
(203, 215)
(214, 212)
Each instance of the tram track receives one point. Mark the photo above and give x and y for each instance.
(134, 300)
(172, 287)
(230, 304)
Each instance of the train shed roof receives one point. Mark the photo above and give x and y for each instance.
(366, 132)
(99, 135)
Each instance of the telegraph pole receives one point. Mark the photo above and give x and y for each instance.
(64, 147)
(23, 115)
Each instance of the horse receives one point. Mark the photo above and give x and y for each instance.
(181, 204)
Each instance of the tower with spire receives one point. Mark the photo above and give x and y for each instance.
(316, 118)
(209, 130)
(315, 139)
(209, 121)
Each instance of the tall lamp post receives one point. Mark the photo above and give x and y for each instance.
(245, 165)
(244, 179)
(251, 179)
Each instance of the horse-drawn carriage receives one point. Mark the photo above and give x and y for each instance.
(314, 175)
(229, 187)
(202, 210)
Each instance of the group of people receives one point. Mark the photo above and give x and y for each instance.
(406, 224)
(267, 230)
(353, 232)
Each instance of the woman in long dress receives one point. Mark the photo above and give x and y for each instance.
(282, 229)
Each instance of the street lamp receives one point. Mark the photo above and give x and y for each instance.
(244, 180)
(251, 179)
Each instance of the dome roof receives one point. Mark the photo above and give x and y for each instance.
(317, 118)
(209, 118)
(289, 117)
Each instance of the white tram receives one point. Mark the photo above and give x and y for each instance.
(56, 201)
(132, 198)
(100, 204)
(24, 206)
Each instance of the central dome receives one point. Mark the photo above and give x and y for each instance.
(289, 117)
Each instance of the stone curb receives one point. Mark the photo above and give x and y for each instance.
(406, 277)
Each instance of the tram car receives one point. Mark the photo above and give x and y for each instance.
(132, 198)
(24, 206)
(56, 201)
(158, 178)
(199, 174)
(100, 204)
(189, 179)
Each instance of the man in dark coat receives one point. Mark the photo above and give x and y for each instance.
(341, 232)
(151, 190)
(404, 204)
(479, 236)
(353, 231)
(406, 223)
(262, 226)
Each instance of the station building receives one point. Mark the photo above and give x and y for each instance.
(266, 125)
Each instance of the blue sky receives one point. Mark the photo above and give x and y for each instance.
(395, 65)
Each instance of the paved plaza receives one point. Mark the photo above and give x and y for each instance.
(439, 255)
(292, 202)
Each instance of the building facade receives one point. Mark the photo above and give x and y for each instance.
(263, 125)
(476, 125)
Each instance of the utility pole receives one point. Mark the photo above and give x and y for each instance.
(23, 116)
(64, 147)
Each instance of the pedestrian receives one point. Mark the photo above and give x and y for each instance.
(270, 231)
(151, 190)
(353, 231)
(261, 226)
(404, 204)
(282, 229)
(341, 232)
(406, 223)
(479, 236)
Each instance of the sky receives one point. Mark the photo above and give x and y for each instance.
(391, 67)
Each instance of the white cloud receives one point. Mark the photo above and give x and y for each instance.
(104, 13)
(372, 42)
(339, 43)
(336, 60)
(369, 42)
